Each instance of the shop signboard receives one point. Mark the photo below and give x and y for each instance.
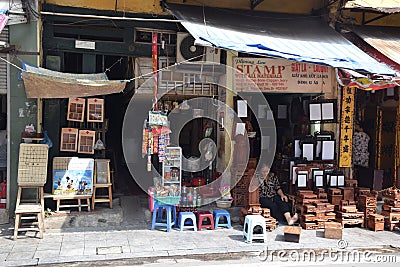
(346, 127)
(281, 76)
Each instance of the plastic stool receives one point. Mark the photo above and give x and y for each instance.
(250, 222)
(201, 216)
(217, 216)
(183, 216)
(157, 220)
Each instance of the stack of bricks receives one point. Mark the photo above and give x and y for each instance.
(391, 208)
(314, 209)
(348, 214)
(367, 203)
(270, 222)
(334, 196)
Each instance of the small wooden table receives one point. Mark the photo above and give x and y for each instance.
(59, 198)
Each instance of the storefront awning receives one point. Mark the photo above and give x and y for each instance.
(44, 83)
(293, 37)
(386, 40)
(387, 6)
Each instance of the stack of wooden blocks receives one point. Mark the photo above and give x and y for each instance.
(270, 222)
(391, 208)
(367, 203)
(314, 209)
(316, 214)
(348, 214)
(240, 192)
(333, 230)
(334, 196)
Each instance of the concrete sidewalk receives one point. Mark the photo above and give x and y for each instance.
(136, 241)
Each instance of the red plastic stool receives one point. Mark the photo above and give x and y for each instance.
(204, 216)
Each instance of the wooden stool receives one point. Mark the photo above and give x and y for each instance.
(33, 210)
(102, 180)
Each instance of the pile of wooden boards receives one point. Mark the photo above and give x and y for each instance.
(348, 214)
(315, 211)
(270, 222)
(391, 208)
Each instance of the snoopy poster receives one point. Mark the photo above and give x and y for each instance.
(76, 180)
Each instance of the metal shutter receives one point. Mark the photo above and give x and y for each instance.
(3, 64)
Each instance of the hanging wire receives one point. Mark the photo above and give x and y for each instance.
(118, 61)
(12, 64)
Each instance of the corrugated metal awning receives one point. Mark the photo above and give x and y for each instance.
(384, 39)
(293, 37)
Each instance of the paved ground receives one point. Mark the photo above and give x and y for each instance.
(136, 241)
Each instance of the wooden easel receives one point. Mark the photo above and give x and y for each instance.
(102, 179)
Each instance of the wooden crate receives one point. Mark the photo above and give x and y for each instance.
(392, 217)
(309, 225)
(333, 230)
(292, 233)
(376, 222)
(347, 192)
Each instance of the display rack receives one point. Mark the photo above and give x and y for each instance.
(172, 175)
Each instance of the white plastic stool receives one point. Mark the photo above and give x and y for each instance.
(250, 222)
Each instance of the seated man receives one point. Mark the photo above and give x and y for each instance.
(272, 197)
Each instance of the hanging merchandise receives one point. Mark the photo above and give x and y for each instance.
(155, 136)
(99, 145)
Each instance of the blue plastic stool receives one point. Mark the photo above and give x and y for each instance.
(157, 218)
(218, 214)
(183, 216)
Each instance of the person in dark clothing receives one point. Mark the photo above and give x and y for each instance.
(272, 197)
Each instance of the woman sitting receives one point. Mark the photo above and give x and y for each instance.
(272, 197)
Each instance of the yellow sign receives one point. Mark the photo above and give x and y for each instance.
(346, 127)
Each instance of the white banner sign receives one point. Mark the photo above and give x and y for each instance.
(281, 76)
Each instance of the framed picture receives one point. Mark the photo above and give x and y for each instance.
(316, 172)
(301, 180)
(319, 181)
(333, 180)
(86, 142)
(297, 149)
(75, 178)
(95, 110)
(328, 150)
(308, 151)
(76, 109)
(340, 180)
(323, 111)
(69, 139)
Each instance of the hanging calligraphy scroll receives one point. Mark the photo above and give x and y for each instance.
(346, 127)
